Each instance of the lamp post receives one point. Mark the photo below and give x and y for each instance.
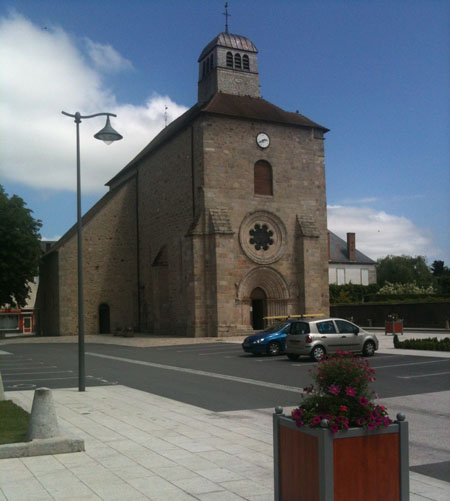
(108, 135)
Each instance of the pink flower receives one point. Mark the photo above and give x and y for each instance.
(363, 401)
(371, 426)
(386, 421)
(316, 420)
(334, 389)
(334, 428)
(360, 421)
(343, 408)
(349, 391)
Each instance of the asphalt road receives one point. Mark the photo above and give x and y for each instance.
(215, 376)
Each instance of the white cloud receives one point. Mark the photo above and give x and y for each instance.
(106, 58)
(379, 234)
(46, 74)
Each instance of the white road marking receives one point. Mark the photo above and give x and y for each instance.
(424, 375)
(200, 373)
(412, 363)
(27, 373)
(21, 368)
(44, 379)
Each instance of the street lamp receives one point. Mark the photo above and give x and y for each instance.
(108, 135)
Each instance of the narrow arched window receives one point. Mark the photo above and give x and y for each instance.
(245, 62)
(229, 59)
(263, 178)
(237, 61)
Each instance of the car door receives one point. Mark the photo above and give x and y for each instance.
(348, 333)
(332, 339)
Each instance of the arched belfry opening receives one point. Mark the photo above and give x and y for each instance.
(258, 309)
(104, 323)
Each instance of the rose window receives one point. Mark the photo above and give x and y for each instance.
(261, 237)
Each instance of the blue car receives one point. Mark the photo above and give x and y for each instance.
(270, 341)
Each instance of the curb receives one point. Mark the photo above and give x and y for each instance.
(41, 447)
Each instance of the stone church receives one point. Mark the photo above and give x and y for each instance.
(219, 222)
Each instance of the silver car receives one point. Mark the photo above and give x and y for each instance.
(318, 338)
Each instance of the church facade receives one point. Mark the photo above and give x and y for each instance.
(219, 222)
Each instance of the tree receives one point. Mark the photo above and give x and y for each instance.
(442, 276)
(404, 270)
(438, 268)
(19, 249)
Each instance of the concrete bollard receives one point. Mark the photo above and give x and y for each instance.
(2, 390)
(43, 422)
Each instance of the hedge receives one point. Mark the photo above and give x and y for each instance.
(433, 343)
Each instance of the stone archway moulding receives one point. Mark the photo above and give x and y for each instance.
(266, 278)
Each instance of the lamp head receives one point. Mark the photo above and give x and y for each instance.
(108, 134)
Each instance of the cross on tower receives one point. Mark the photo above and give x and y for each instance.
(226, 17)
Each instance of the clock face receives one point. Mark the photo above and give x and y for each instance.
(262, 140)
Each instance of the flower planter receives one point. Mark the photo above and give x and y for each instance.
(393, 327)
(312, 464)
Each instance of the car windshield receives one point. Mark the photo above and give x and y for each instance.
(274, 327)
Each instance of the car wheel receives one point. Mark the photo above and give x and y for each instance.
(317, 353)
(369, 349)
(274, 348)
(292, 356)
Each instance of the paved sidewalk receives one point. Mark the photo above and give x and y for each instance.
(142, 446)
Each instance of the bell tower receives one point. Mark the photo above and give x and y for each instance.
(228, 64)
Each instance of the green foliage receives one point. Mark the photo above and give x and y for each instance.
(433, 344)
(405, 289)
(341, 396)
(13, 423)
(404, 270)
(19, 250)
(351, 293)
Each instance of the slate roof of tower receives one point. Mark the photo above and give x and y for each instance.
(230, 41)
(252, 108)
(338, 252)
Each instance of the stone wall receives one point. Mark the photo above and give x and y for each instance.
(166, 212)
(47, 297)
(297, 160)
(109, 265)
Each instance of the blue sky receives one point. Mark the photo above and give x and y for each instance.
(376, 73)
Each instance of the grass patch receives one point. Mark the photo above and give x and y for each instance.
(423, 344)
(13, 423)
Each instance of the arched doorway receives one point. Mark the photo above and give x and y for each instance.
(259, 308)
(103, 319)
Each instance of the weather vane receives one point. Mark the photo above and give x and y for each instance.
(226, 17)
(165, 115)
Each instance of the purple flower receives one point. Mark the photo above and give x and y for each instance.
(363, 401)
(316, 419)
(334, 389)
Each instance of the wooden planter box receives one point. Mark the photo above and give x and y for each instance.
(312, 464)
(393, 327)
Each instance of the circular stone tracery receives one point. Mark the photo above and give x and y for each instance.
(262, 236)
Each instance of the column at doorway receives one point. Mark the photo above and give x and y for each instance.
(259, 308)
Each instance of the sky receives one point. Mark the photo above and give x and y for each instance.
(376, 73)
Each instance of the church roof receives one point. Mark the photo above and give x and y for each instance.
(256, 108)
(252, 108)
(228, 40)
